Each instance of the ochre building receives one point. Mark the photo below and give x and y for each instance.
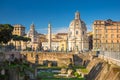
(106, 35)
(18, 30)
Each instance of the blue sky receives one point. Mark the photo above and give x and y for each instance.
(58, 12)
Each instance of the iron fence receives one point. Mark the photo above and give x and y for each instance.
(110, 54)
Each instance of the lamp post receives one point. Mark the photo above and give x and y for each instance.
(111, 49)
(81, 44)
(119, 46)
(67, 45)
(36, 63)
(74, 44)
(119, 51)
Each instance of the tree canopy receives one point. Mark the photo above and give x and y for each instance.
(20, 38)
(5, 33)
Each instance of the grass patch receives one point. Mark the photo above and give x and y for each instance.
(64, 79)
(78, 67)
(45, 75)
(46, 67)
(84, 71)
(52, 76)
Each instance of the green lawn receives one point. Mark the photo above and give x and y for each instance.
(64, 79)
(51, 76)
(46, 75)
(46, 67)
(84, 70)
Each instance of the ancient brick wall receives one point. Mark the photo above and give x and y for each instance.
(48, 56)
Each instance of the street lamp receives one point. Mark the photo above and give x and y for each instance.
(119, 53)
(81, 45)
(36, 63)
(111, 48)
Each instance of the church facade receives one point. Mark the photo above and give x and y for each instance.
(34, 43)
(77, 35)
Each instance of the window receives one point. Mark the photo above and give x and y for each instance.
(112, 35)
(96, 36)
(83, 33)
(99, 35)
(70, 33)
(106, 30)
(112, 41)
(118, 30)
(106, 41)
(117, 41)
(76, 23)
(76, 32)
(118, 36)
(96, 31)
(106, 35)
(111, 30)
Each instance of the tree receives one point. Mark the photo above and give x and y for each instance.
(20, 38)
(26, 39)
(15, 38)
(5, 33)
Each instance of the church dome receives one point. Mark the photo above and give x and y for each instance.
(77, 23)
(77, 34)
(32, 31)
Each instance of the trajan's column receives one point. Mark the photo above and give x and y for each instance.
(49, 36)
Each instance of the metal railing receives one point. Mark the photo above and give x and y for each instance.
(112, 57)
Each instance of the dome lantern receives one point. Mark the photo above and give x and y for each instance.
(32, 26)
(77, 15)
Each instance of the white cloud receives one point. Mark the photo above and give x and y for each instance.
(54, 30)
(89, 27)
(60, 30)
(42, 30)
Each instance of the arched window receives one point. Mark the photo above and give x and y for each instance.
(76, 32)
(83, 33)
(70, 33)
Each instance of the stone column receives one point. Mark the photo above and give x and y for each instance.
(49, 36)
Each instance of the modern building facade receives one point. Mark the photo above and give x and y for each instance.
(106, 35)
(77, 34)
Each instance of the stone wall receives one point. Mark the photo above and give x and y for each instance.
(8, 55)
(100, 69)
(111, 57)
(55, 57)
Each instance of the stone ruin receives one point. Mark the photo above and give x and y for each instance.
(51, 58)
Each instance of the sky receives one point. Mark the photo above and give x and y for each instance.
(57, 12)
